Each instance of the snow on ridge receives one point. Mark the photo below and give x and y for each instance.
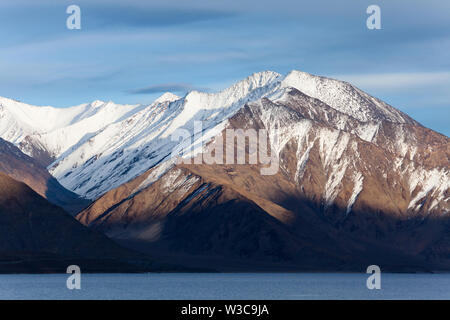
(96, 117)
(201, 105)
(167, 97)
(146, 136)
(338, 94)
(343, 97)
(258, 84)
(29, 119)
(32, 120)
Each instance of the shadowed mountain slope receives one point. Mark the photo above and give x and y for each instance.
(23, 168)
(37, 236)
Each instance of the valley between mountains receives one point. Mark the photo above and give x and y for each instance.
(358, 183)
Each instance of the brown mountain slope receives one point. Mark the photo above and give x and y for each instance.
(36, 236)
(184, 215)
(212, 220)
(23, 168)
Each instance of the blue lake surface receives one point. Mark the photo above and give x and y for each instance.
(296, 286)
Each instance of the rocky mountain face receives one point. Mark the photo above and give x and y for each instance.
(36, 236)
(23, 168)
(358, 181)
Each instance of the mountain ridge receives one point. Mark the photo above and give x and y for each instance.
(122, 132)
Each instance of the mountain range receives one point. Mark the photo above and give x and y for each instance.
(359, 182)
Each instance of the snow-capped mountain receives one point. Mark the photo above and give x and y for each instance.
(51, 131)
(93, 148)
(103, 145)
(351, 190)
(355, 174)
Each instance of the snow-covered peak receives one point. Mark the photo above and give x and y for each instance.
(301, 80)
(18, 119)
(218, 106)
(167, 97)
(344, 97)
(260, 79)
(56, 129)
(238, 91)
(97, 103)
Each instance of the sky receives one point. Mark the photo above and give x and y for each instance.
(133, 51)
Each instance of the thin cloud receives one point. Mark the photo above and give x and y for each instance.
(120, 16)
(167, 87)
(397, 80)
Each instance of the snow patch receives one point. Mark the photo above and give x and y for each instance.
(358, 180)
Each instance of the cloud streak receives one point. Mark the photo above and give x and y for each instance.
(167, 87)
(397, 81)
(120, 16)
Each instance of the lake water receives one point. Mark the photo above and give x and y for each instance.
(295, 286)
